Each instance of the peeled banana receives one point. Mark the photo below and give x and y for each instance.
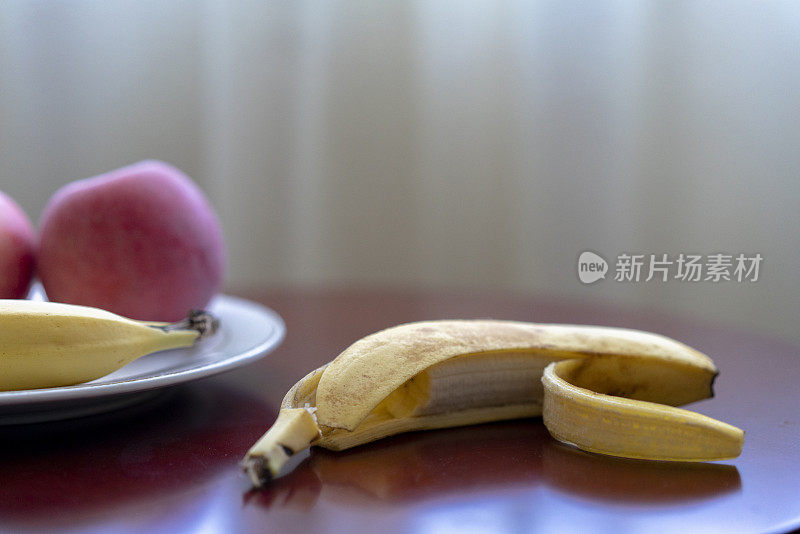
(604, 390)
(47, 344)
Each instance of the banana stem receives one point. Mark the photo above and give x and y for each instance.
(200, 320)
(294, 431)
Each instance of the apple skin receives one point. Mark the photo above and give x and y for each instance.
(17, 250)
(141, 241)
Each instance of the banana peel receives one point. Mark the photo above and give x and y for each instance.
(606, 390)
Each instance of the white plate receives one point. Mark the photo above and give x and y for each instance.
(247, 332)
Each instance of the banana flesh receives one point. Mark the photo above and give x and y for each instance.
(48, 344)
(606, 390)
(469, 382)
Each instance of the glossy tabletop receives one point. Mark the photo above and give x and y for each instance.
(170, 464)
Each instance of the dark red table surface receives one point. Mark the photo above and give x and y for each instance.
(171, 464)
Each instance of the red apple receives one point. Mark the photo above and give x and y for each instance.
(141, 241)
(17, 250)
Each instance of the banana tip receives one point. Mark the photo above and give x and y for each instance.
(257, 470)
(202, 321)
(711, 385)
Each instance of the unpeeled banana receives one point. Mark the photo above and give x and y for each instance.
(605, 390)
(47, 344)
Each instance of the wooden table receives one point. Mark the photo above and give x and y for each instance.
(170, 465)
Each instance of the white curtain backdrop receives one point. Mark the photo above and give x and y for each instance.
(435, 144)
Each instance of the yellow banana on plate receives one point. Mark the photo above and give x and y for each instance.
(605, 390)
(47, 344)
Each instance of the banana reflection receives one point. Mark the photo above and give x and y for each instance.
(493, 459)
(634, 481)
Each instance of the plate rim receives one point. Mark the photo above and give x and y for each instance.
(87, 390)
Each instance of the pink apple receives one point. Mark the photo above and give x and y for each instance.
(17, 250)
(141, 241)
